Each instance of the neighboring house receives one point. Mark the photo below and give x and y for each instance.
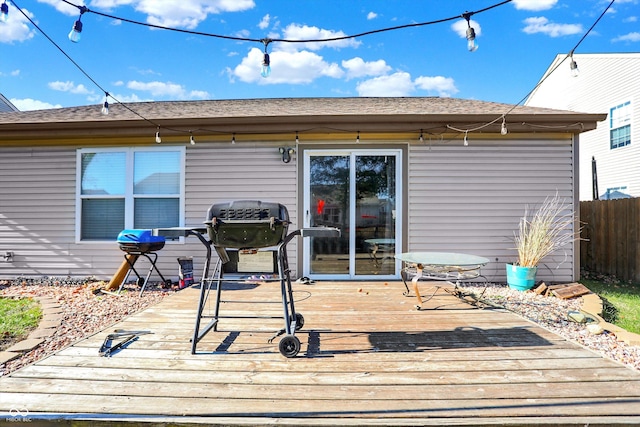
(424, 174)
(6, 105)
(607, 83)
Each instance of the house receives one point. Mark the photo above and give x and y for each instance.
(425, 174)
(606, 83)
(6, 105)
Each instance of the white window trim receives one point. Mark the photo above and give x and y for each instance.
(129, 184)
(631, 115)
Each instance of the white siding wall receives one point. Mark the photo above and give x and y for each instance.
(37, 206)
(605, 80)
(470, 199)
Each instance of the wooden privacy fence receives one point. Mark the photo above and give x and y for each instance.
(612, 232)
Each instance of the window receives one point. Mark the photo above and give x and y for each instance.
(128, 188)
(620, 125)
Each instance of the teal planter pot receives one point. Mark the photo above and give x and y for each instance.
(521, 278)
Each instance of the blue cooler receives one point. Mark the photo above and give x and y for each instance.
(142, 241)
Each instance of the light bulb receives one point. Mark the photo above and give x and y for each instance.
(105, 108)
(74, 35)
(4, 12)
(158, 139)
(233, 139)
(573, 65)
(471, 40)
(465, 142)
(266, 66)
(358, 138)
(192, 141)
(503, 128)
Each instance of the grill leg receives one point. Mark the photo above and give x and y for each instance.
(151, 268)
(205, 289)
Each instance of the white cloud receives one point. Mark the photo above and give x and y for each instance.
(401, 84)
(14, 73)
(199, 94)
(165, 89)
(70, 87)
(183, 14)
(157, 88)
(540, 24)
(460, 27)
(372, 15)
(534, 5)
(443, 86)
(264, 22)
(28, 104)
(63, 7)
(357, 67)
(287, 67)
(631, 37)
(17, 28)
(305, 32)
(397, 84)
(630, 19)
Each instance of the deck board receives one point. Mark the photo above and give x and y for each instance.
(368, 357)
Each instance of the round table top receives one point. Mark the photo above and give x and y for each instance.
(442, 258)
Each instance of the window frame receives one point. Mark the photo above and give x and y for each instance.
(129, 196)
(620, 124)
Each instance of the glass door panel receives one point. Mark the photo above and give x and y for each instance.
(358, 193)
(329, 190)
(375, 238)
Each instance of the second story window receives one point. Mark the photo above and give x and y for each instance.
(620, 125)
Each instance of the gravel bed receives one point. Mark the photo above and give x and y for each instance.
(551, 313)
(86, 311)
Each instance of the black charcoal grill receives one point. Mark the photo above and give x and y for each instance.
(248, 225)
(137, 243)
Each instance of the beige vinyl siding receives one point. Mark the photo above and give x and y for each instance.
(38, 205)
(469, 199)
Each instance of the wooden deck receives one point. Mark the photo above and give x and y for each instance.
(368, 357)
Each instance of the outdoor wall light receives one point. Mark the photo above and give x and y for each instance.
(286, 153)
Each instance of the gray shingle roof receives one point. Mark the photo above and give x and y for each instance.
(287, 114)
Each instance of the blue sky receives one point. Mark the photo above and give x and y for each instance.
(517, 42)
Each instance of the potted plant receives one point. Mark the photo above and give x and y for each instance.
(540, 233)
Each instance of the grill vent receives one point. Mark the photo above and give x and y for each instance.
(244, 214)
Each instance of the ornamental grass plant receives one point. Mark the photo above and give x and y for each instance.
(544, 231)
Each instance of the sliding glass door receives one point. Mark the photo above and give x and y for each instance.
(359, 193)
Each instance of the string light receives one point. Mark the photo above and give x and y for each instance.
(466, 142)
(192, 141)
(466, 16)
(421, 138)
(573, 66)
(297, 139)
(471, 33)
(158, 139)
(4, 12)
(105, 106)
(265, 71)
(74, 35)
(233, 139)
(503, 128)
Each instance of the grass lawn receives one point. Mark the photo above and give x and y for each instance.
(19, 317)
(621, 302)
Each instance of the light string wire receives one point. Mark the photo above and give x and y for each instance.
(324, 40)
(107, 94)
(547, 75)
(464, 15)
